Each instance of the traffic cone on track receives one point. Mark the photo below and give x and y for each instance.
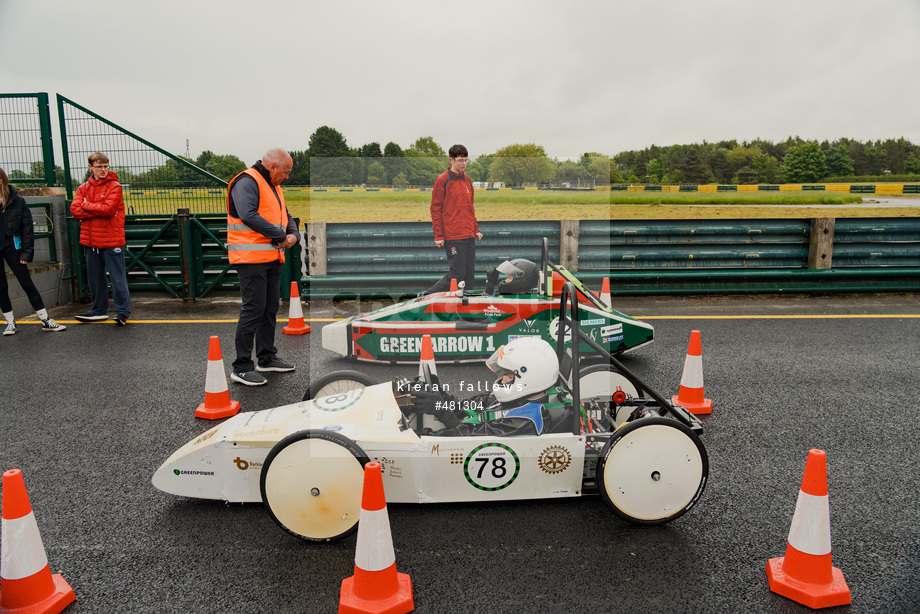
(217, 403)
(806, 574)
(691, 381)
(605, 293)
(296, 325)
(453, 285)
(26, 583)
(427, 357)
(376, 587)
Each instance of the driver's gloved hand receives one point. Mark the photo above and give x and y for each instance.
(446, 416)
(428, 402)
(434, 404)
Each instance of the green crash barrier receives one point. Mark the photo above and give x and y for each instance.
(184, 256)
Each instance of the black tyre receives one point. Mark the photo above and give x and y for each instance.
(652, 471)
(337, 382)
(311, 485)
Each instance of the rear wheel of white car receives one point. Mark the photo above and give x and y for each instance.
(337, 382)
(652, 471)
(311, 484)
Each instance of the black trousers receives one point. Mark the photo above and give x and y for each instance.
(21, 271)
(461, 258)
(260, 288)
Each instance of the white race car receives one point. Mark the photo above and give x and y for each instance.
(305, 460)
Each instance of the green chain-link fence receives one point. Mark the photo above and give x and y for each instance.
(26, 153)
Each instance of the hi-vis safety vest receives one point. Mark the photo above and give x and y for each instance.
(245, 245)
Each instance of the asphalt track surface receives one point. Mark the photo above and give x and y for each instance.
(90, 413)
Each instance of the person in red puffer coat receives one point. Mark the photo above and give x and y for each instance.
(99, 206)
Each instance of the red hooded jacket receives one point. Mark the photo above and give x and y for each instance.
(101, 211)
(452, 213)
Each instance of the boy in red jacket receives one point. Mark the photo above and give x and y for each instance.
(99, 207)
(453, 220)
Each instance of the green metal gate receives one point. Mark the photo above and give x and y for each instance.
(183, 255)
(26, 152)
(153, 180)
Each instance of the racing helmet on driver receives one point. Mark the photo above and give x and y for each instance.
(518, 276)
(526, 366)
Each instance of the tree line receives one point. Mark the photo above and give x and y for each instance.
(329, 160)
(791, 161)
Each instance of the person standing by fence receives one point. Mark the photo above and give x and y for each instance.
(99, 206)
(453, 221)
(259, 229)
(17, 247)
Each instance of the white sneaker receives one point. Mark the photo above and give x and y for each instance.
(52, 326)
(10, 328)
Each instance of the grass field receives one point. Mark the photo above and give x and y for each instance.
(350, 207)
(544, 205)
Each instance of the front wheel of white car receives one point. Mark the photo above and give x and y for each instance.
(311, 484)
(337, 382)
(652, 471)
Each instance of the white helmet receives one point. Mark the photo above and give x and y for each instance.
(527, 366)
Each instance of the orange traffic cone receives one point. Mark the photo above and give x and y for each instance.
(805, 574)
(376, 587)
(26, 583)
(691, 382)
(427, 357)
(217, 403)
(296, 325)
(605, 293)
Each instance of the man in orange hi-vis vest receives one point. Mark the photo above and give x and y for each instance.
(259, 229)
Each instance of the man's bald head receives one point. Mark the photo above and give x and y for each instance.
(278, 163)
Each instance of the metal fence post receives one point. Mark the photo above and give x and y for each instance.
(821, 243)
(44, 118)
(316, 241)
(568, 244)
(190, 290)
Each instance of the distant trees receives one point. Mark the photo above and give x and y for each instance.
(425, 160)
(328, 160)
(839, 162)
(804, 163)
(520, 164)
(761, 161)
(224, 166)
(331, 161)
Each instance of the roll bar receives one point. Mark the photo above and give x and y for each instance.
(569, 321)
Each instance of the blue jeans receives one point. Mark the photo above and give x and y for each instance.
(99, 260)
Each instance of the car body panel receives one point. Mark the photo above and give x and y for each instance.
(471, 328)
(225, 462)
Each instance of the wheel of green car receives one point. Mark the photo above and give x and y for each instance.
(311, 484)
(337, 382)
(652, 471)
(600, 381)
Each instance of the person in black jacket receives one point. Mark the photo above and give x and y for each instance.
(17, 247)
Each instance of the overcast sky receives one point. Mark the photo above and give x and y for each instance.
(240, 77)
